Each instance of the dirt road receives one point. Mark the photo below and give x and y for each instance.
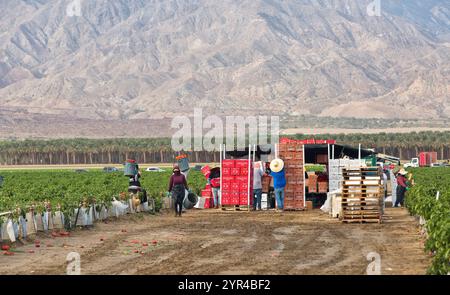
(218, 242)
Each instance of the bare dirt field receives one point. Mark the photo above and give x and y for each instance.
(314, 131)
(229, 242)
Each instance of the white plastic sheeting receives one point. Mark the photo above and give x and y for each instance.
(335, 174)
(333, 203)
(32, 223)
(394, 187)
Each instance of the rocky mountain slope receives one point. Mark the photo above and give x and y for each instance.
(135, 59)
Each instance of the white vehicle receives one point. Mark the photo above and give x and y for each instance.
(414, 163)
(154, 169)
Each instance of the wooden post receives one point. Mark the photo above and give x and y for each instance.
(304, 180)
(220, 149)
(329, 167)
(248, 176)
(276, 150)
(359, 152)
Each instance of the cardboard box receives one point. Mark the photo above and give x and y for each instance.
(309, 205)
(323, 187)
(265, 182)
(322, 158)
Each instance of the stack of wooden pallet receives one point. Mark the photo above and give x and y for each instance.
(292, 155)
(362, 195)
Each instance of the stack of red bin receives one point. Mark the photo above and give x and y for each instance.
(235, 182)
(292, 155)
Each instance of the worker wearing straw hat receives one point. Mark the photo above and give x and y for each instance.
(279, 181)
(401, 187)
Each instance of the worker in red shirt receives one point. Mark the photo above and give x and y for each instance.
(401, 187)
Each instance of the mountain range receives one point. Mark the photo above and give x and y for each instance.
(137, 59)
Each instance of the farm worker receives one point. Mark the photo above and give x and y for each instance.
(258, 173)
(385, 181)
(214, 182)
(178, 186)
(401, 187)
(279, 181)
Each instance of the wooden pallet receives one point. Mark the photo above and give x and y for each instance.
(361, 186)
(365, 206)
(362, 220)
(361, 195)
(361, 202)
(235, 208)
(294, 209)
(357, 212)
(362, 169)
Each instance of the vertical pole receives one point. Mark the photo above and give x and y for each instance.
(220, 151)
(359, 152)
(276, 150)
(332, 151)
(329, 156)
(304, 180)
(248, 176)
(252, 167)
(329, 166)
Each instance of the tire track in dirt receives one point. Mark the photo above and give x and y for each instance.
(215, 242)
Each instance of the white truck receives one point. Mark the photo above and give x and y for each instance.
(414, 163)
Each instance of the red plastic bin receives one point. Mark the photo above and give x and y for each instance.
(241, 164)
(227, 164)
(235, 171)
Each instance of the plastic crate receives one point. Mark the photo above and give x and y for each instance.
(228, 163)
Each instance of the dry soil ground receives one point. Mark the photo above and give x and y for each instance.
(219, 242)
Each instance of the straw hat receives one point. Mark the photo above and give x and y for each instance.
(402, 172)
(276, 165)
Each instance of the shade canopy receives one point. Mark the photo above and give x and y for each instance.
(340, 151)
(243, 153)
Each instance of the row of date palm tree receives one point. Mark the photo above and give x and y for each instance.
(158, 150)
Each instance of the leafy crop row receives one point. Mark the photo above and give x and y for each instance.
(66, 190)
(422, 201)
